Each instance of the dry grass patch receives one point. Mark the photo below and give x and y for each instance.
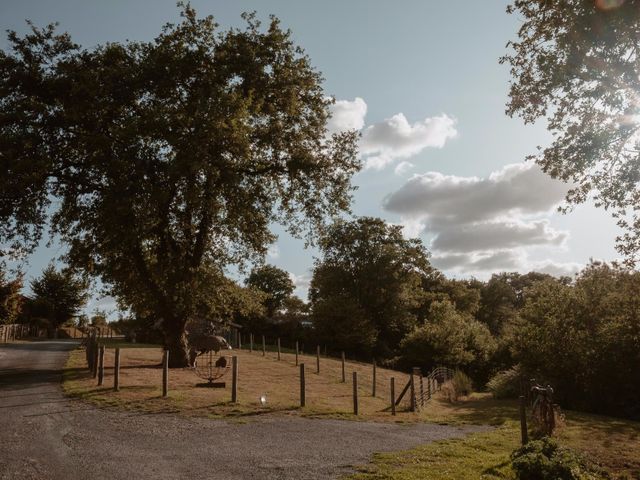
(326, 395)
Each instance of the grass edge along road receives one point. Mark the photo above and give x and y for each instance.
(614, 443)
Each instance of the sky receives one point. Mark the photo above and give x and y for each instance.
(421, 81)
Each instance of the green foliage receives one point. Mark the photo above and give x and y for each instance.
(275, 283)
(459, 386)
(506, 383)
(447, 338)
(10, 298)
(367, 286)
(576, 64)
(58, 296)
(546, 460)
(168, 159)
(583, 339)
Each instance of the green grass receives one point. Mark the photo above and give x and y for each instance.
(476, 456)
(613, 444)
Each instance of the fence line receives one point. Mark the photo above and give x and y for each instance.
(16, 331)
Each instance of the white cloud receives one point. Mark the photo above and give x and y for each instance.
(301, 283)
(516, 260)
(508, 260)
(557, 269)
(403, 167)
(395, 138)
(496, 235)
(347, 115)
(273, 251)
(515, 189)
(484, 224)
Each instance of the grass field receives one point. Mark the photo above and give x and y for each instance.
(277, 380)
(612, 443)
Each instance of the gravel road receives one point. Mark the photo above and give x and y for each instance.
(44, 435)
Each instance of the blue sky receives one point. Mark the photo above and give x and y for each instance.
(435, 96)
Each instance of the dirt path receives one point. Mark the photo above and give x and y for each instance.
(44, 435)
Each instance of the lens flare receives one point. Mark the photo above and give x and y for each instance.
(608, 4)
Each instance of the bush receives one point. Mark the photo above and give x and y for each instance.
(459, 386)
(546, 460)
(506, 384)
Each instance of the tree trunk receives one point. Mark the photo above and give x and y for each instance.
(175, 339)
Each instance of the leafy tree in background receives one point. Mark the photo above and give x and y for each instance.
(275, 283)
(448, 337)
(583, 339)
(365, 288)
(168, 159)
(10, 297)
(576, 64)
(58, 296)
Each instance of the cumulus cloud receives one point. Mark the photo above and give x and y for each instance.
(395, 138)
(301, 283)
(347, 115)
(484, 224)
(492, 261)
(503, 260)
(403, 167)
(496, 235)
(517, 188)
(557, 269)
(273, 251)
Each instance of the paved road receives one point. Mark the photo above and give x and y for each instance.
(44, 435)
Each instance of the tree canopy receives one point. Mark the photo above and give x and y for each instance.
(275, 283)
(58, 296)
(576, 63)
(160, 162)
(367, 285)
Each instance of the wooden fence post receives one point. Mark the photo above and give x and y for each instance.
(251, 342)
(101, 366)
(318, 359)
(264, 349)
(234, 379)
(412, 392)
(524, 434)
(373, 389)
(303, 397)
(417, 371)
(165, 374)
(116, 371)
(239, 340)
(393, 396)
(95, 353)
(278, 348)
(355, 393)
(344, 378)
(296, 353)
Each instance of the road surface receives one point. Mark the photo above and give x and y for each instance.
(44, 435)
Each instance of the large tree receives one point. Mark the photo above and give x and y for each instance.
(58, 296)
(275, 283)
(577, 64)
(160, 162)
(366, 288)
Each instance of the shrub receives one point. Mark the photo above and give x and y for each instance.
(506, 384)
(546, 460)
(459, 386)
